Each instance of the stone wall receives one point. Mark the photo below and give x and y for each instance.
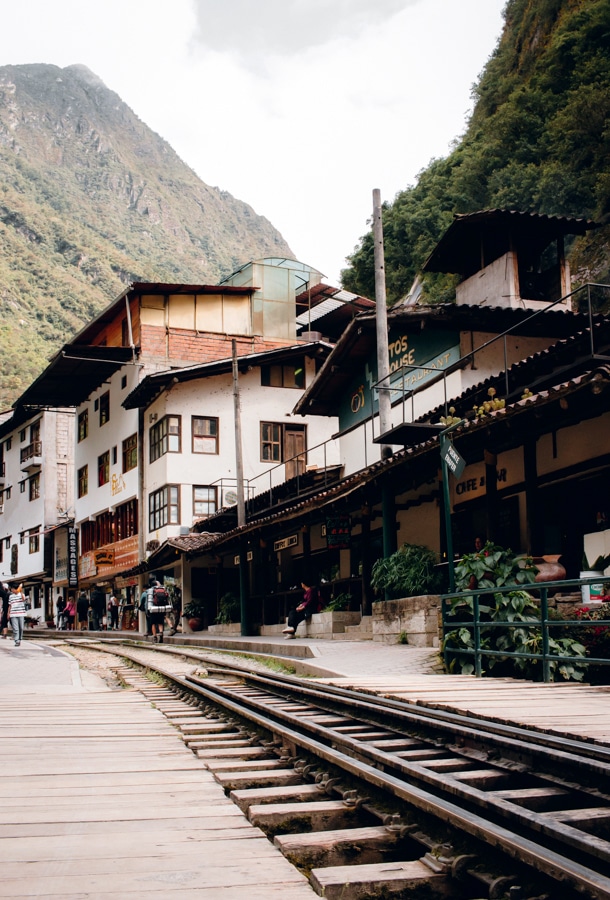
(417, 617)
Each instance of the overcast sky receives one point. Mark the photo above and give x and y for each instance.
(298, 107)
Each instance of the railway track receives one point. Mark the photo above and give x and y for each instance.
(379, 798)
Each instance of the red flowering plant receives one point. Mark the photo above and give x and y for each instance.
(595, 637)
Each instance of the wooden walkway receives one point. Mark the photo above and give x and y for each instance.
(563, 708)
(102, 799)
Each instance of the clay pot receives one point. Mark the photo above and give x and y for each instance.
(549, 568)
(195, 624)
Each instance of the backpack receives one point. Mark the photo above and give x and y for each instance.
(160, 597)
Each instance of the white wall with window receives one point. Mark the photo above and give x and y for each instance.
(36, 493)
(106, 448)
(190, 442)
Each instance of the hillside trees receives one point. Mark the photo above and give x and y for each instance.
(538, 140)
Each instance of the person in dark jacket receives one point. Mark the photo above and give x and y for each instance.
(82, 612)
(98, 608)
(4, 595)
(311, 604)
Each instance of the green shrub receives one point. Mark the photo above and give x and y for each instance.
(409, 572)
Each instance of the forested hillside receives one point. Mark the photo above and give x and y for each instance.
(91, 199)
(538, 140)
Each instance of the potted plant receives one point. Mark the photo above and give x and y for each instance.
(194, 613)
(409, 572)
(228, 609)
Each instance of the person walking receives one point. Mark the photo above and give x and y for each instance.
(60, 606)
(82, 611)
(70, 614)
(113, 613)
(98, 608)
(311, 604)
(16, 612)
(157, 606)
(4, 595)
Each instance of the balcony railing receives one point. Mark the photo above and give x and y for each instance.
(32, 451)
(588, 301)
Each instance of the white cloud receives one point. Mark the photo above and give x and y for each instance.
(298, 107)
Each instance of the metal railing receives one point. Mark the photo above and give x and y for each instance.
(33, 449)
(469, 605)
(591, 297)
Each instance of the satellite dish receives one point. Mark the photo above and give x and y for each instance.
(230, 498)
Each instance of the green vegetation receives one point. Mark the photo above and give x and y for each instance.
(90, 200)
(494, 566)
(409, 572)
(538, 140)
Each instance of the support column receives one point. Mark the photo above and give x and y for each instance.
(533, 518)
(491, 495)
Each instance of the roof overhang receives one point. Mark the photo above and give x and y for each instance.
(73, 374)
(460, 246)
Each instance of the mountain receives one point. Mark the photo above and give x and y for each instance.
(538, 140)
(91, 199)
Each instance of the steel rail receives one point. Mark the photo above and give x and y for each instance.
(579, 753)
(523, 849)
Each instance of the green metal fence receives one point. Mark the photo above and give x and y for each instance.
(463, 610)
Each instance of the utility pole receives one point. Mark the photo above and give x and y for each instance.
(383, 371)
(241, 505)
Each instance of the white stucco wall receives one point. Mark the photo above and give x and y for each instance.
(213, 397)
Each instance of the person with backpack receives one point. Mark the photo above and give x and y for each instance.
(312, 603)
(157, 606)
(98, 609)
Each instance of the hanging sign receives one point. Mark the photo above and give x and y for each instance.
(452, 459)
(338, 532)
(72, 557)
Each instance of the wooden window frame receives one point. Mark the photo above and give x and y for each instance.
(205, 440)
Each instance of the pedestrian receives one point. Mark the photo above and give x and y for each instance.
(70, 614)
(82, 611)
(98, 608)
(60, 606)
(113, 612)
(176, 611)
(4, 595)
(311, 604)
(16, 612)
(157, 605)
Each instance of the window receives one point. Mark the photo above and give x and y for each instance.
(35, 487)
(284, 443)
(83, 481)
(292, 376)
(83, 425)
(271, 442)
(22, 434)
(7, 493)
(22, 487)
(204, 500)
(126, 520)
(205, 434)
(165, 437)
(114, 456)
(130, 453)
(104, 408)
(103, 468)
(34, 540)
(9, 443)
(164, 507)
(87, 537)
(104, 529)
(124, 381)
